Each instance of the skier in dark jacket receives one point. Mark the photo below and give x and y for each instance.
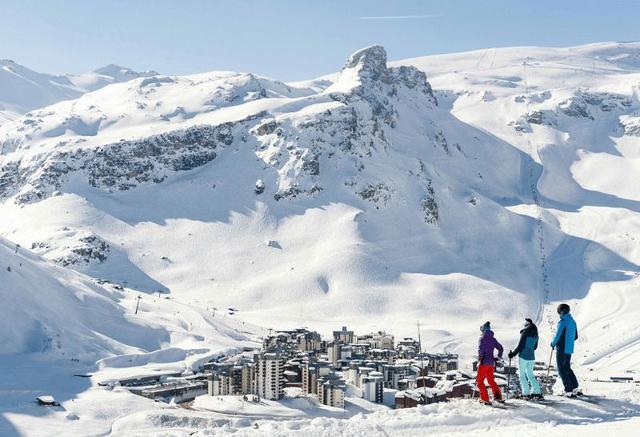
(566, 335)
(487, 363)
(526, 349)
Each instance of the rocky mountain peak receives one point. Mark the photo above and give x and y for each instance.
(366, 70)
(369, 62)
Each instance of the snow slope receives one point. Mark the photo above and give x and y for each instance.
(57, 324)
(460, 417)
(49, 308)
(615, 413)
(22, 89)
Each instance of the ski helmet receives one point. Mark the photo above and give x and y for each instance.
(563, 308)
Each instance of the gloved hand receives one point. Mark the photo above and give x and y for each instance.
(553, 346)
(511, 355)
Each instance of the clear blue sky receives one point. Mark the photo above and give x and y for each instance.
(289, 39)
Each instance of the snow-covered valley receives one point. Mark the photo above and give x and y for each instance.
(450, 189)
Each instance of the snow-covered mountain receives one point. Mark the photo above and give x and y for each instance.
(481, 190)
(22, 89)
(454, 189)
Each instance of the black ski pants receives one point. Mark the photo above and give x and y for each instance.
(569, 379)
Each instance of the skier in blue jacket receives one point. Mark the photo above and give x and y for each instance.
(526, 349)
(563, 342)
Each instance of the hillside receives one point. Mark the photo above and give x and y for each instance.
(47, 308)
(64, 332)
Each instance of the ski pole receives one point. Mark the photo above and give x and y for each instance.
(549, 365)
(509, 377)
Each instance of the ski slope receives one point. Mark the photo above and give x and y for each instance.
(58, 324)
(589, 165)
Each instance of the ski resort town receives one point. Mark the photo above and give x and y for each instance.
(300, 363)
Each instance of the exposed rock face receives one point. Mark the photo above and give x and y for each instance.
(370, 63)
(89, 249)
(429, 205)
(605, 102)
(378, 83)
(583, 105)
(376, 193)
(576, 107)
(120, 166)
(541, 117)
(370, 66)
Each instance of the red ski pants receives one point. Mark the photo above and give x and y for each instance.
(485, 371)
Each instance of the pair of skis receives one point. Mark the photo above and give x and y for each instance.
(594, 400)
(501, 405)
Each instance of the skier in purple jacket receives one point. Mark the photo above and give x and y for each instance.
(487, 364)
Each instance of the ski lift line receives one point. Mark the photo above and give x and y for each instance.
(544, 273)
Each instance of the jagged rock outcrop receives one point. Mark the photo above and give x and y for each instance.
(582, 105)
(88, 249)
(369, 93)
(118, 166)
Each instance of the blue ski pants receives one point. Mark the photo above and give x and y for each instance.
(528, 382)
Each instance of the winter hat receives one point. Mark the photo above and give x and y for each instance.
(563, 308)
(486, 327)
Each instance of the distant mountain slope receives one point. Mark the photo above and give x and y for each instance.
(46, 308)
(485, 189)
(104, 76)
(22, 89)
(64, 333)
